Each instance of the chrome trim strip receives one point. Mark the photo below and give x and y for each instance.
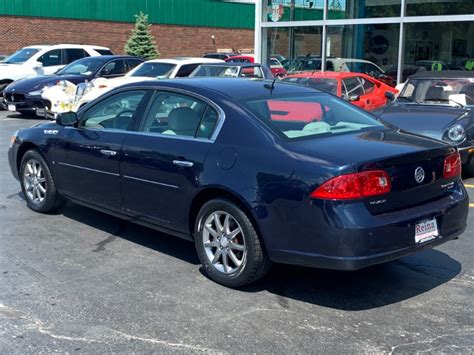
(150, 182)
(88, 169)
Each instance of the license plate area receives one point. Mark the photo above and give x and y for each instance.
(425, 231)
(12, 108)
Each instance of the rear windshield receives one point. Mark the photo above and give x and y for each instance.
(323, 84)
(153, 70)
(21, 56)
(311, 116)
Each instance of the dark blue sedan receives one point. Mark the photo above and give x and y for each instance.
(252, 171)
(24, 95)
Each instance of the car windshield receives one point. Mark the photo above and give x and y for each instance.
(311, 116)
(454, 92)
(84, 66)
(21, 56)
(323, 84)
(153, 70)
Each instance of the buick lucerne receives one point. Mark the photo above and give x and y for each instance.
(214, 160)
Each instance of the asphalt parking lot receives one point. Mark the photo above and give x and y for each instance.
(84, 281)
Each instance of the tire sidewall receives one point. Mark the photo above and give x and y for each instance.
(239, 277)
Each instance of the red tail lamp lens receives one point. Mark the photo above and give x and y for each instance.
(452, 166)
(354, 186)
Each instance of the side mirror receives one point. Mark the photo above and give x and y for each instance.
(354, 98)
(37, 65)
(67, 119)
(390, 95)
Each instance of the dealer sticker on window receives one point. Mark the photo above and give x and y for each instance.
(426, 231)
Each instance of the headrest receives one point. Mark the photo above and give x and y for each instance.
(183, 119)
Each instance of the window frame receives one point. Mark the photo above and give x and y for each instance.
(156, 91)
(61, 59)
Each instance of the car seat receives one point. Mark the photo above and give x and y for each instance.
(182, 121)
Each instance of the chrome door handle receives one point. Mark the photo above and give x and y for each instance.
(183, 164)
(109, 153)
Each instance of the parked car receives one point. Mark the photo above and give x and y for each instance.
(275, 66)
(313, 63)
(233, 70)
(222, 56)
(25, 95)
(438, 105)
(203, 159)
(360, 89)
(150, 70)
(40, 60)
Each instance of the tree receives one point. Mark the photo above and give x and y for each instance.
(141, 43)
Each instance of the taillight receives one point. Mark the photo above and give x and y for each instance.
(452, 166)
(354, 186)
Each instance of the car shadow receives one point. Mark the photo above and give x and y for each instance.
(369, 288)
(372, 287)
(147, 237)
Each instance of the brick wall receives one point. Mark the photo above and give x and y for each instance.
(18, 32)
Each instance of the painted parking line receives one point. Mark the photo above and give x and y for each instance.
(469, 186)
(471, 205)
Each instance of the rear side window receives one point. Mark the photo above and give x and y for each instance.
(51, 58)
(103, 51)
(73, 54)
(181, 115)
(368, 85)
(185, 70)
(251, 72)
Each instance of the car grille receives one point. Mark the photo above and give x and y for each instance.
(14, 98)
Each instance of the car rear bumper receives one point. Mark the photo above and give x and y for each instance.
(351, 239)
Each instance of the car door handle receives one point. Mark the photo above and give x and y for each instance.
(183, 163)
(109, 153)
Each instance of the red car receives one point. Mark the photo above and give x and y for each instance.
(275, 66)
(360, 89)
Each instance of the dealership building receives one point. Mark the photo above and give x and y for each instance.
(180, 27)
(398, 36)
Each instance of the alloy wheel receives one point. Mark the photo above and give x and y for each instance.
(34, 180)
(224, 242)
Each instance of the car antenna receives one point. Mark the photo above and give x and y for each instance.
(270, 86)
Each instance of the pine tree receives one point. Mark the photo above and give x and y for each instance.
(141, 43)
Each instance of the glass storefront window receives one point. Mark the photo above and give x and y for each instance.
(351, 9)
(293, 10)
(288, 45)
(443, 7)
(369, 49)
(438, 46)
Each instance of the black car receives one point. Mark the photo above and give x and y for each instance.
(233, 70)
(24, 95)
(440, 105)
(215, 161)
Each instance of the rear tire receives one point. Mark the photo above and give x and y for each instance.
(228, 245)
(38, 185)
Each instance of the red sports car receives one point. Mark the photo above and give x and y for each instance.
(275, 66)
(360, 89)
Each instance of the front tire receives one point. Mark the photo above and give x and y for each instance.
(38, 185)
(228, 245)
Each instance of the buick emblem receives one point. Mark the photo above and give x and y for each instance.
(419, 175)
